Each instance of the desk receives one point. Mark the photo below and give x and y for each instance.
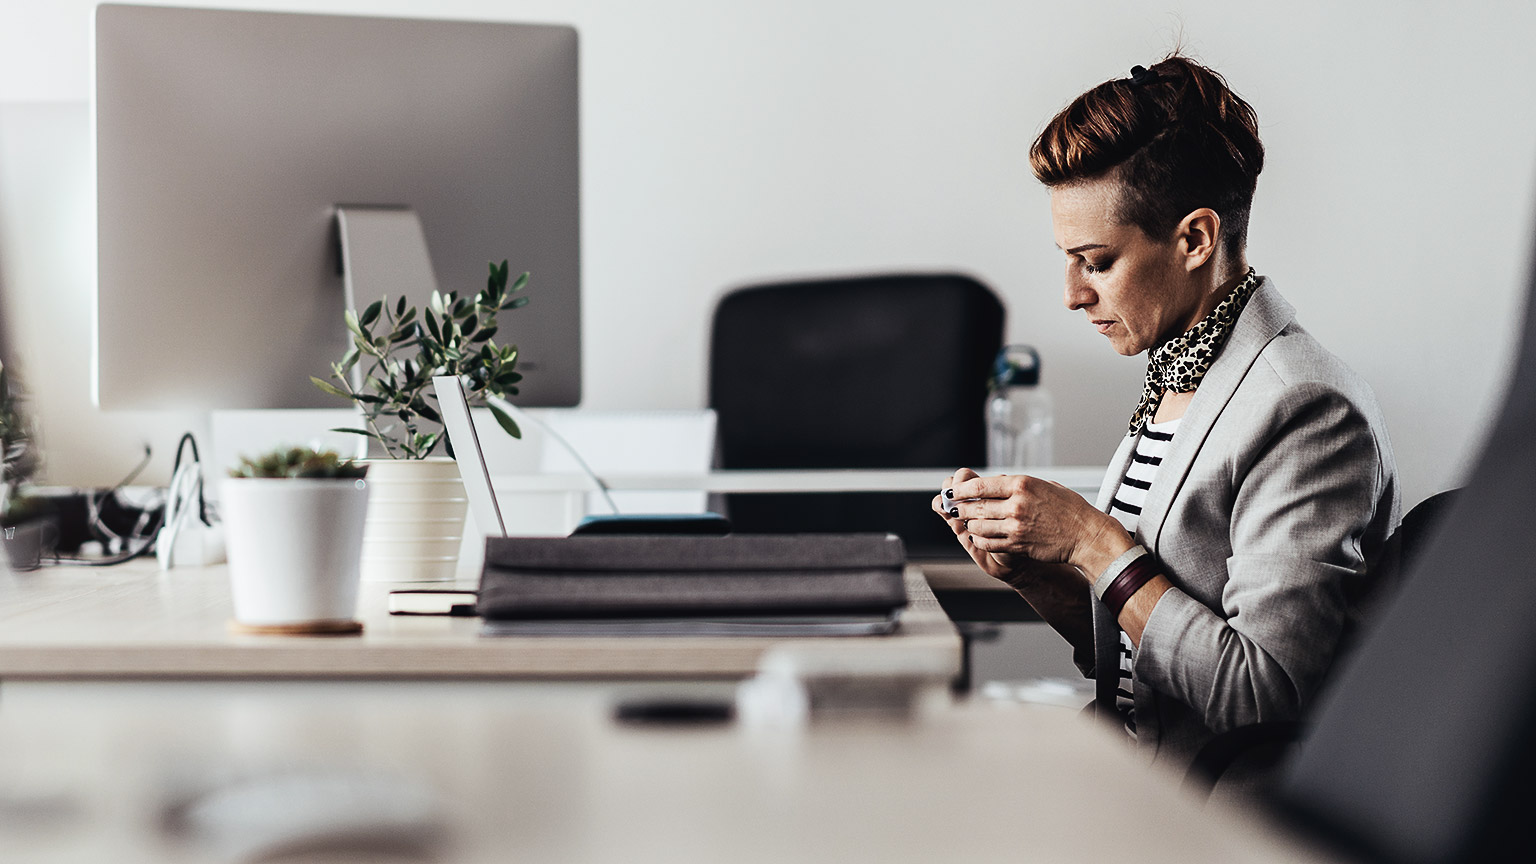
(134, 621)
(1081, 479)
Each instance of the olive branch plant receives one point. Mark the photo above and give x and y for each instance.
(18, 457)
(396, 350)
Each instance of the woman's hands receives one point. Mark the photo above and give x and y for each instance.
(1007, 522)
(1002, 566)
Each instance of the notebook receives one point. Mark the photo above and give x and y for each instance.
(736, 584)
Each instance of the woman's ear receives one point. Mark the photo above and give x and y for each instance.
(1197, 236)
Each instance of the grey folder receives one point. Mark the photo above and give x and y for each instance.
(736, 579)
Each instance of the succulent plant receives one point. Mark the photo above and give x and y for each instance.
(298, 462)
(452, 336)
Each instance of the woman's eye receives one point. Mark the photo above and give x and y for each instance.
(1091, 267)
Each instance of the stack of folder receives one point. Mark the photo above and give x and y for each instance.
(737, 584)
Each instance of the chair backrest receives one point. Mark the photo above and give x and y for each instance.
(1422, 749)
(868, 372)
(1420, 523)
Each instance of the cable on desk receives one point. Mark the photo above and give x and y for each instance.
(143, 531)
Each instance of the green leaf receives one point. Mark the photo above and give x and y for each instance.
(436, 303)
(350, 317)
(364, 432)
(328, 387)
(400, 308)
(407, 317)
(348, 360)
(485, 334)
(515, 303)
(371, 314)
(520, 284)
(427, 443)
(505, 421)
(437, 335)
(468, 326)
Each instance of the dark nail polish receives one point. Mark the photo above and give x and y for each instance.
(954, 512)
(949, 493)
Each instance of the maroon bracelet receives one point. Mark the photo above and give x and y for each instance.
(1136, 574)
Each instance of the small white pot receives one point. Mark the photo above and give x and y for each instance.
(415, 520)
(293, 548)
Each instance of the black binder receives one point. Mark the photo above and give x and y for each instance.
(665, 584)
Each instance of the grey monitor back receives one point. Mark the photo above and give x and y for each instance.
(1423, 749)
(225, 141)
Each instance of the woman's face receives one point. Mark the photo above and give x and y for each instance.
(1136, 290)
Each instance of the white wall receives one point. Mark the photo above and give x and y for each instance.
(729, 142)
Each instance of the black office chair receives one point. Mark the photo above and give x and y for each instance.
(869, 372)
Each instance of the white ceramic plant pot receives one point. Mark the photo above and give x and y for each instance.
(293, 548)
(415, 520)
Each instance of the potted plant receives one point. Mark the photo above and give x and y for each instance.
(23, 528)
(293, 521)
(416, 516)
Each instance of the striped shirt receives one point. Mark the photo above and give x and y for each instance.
(1153, 443)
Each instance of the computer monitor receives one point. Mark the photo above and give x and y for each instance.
(226, 142)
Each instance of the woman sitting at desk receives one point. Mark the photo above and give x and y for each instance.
(1244, 512)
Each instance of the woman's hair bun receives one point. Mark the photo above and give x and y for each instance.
(1177, 137)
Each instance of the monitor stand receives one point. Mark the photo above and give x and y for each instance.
(383, 252)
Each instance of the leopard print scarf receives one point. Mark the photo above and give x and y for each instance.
(1180, 363)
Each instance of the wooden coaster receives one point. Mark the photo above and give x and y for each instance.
(307, 628)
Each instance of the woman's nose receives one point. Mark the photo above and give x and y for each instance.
(1077, 294)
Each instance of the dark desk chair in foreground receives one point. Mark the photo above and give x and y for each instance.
(870, 372)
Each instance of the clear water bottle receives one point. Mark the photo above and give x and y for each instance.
(1020, 418)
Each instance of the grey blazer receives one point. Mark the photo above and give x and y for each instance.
(1270, 515)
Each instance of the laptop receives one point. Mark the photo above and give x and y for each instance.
(453, 404)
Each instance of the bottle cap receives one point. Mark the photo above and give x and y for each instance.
(1016, 366)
